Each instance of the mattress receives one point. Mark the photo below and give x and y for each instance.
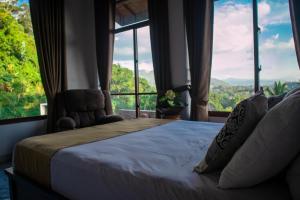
(155, 163)
(32, 156)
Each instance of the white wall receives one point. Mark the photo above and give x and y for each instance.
(178, 48)
(10, 134)
(81, 58)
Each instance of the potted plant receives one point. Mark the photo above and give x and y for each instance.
(170, 105)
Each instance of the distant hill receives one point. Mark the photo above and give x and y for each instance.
(148, 75)
(217, 82)
(247, 82)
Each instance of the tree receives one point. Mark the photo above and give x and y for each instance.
(21, 90)
(123, 82)
(278, 89)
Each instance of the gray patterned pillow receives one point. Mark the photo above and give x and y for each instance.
(236, 130)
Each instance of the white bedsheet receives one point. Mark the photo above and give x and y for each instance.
(156, 163)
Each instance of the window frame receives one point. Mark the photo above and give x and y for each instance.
(257, 65)
(134, 27)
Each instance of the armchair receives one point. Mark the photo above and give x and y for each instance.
(83, 108)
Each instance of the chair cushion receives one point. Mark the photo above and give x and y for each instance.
(84, 100)
(236, 130)
(84, 106)
(270, 148)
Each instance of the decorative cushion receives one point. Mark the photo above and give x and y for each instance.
(293, 178)
(270, 148)
(295, 90)
(237, 128)
(274, 100)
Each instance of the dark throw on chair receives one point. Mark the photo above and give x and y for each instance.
(83, 108)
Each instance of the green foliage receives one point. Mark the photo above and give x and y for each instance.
(123, 82)
(171, 99)
(278, 89)
(21, 90)
(225, 98)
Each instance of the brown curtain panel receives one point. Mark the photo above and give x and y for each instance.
(48, 27)
(159, 33)
(295, 17)
(104, 24)
(199, 30)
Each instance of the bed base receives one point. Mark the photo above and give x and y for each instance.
(23, 189)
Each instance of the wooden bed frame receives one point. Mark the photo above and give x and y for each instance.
(21, 188)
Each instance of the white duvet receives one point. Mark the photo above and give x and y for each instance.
(155, 163)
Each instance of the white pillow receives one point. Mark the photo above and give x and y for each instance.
(269, 149)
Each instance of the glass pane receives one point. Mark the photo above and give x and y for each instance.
(123, 65)
(21, 89)
(148, 106)
(146, 74)
(277, 50)
(124, 105)
(130, 12)
(233, 62)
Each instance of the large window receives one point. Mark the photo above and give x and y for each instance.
(246, 56)
(132, 87)
(21, 90)
(279, 67)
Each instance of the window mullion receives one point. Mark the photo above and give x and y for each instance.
(256, 45)
(136, 73)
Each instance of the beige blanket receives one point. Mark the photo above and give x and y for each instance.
(32, 156)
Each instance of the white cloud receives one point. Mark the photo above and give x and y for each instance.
(147, 66)
(125, 63)
(123, 51)
(275, 44)
(273, 13)
(233, 42)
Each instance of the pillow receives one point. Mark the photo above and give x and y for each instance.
(293, 91)
(293, 178)
(270, 148)
(237, 128)
(274, 100)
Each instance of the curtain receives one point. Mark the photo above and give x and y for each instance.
(48, 27)
(199, 30)
(159, 34)
(295, 17)
(104, 24)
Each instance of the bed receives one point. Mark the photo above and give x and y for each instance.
(138, 159)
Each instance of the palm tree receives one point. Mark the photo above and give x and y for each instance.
(278, 88)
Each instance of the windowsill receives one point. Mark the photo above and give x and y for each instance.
(23, 119)
(218, 114)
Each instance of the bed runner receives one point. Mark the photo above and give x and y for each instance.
(32, 156)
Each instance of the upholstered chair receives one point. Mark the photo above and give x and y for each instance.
(83, 108)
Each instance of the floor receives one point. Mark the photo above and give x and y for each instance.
(4, 191)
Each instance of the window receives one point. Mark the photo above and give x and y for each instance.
(277, 50)
(236, 68)
(132, 86)
(21, 90)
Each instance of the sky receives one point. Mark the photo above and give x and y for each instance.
(233, 42)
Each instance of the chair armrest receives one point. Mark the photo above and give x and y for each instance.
(109, 119)
(65, 123)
